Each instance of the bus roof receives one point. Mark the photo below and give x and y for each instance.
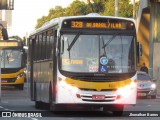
(59, 20)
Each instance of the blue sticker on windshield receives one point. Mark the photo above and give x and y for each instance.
(103, 68)
(103, 60)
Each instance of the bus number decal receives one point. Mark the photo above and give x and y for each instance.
(76, 24)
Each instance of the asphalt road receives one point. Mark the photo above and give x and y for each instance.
(17, 101)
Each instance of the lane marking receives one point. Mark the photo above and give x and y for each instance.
(5, 102)
(34, 118)
(1, 107)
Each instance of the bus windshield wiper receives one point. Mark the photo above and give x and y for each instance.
(74, 40)
(112, 38)
(104, 47)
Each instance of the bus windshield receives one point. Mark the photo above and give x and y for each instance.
(98, 53)
(11, 58)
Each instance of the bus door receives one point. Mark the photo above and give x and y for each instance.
(52, 59)
(32, 43)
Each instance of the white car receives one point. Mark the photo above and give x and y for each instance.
(146, 85)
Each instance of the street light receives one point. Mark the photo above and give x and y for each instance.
(116, 8)
(134, 9)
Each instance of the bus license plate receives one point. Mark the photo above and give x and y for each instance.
(98, 97)
(141, 94)
(4, 81)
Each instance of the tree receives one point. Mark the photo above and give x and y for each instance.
(41, 21)
(99, 6)
(58, 11)
(77, 7)
(15, 37)
(125, 9)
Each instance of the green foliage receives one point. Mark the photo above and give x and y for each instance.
(99, 6)
(124, 8)
(109, 8)
(77, 7)
(58, 11)
(41, 21)
(16, 37)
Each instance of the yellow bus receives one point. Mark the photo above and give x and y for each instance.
(84, 62)
(13, 62)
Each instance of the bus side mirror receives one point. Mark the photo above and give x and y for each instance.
(62, 46)
(139, 51)
(4, 34)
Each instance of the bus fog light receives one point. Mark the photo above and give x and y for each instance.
(78, 95)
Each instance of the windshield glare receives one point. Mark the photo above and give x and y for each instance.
(10, 58)
(143, 77)
(98, 53)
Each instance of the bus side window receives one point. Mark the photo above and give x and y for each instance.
(40, 46)
(44, 46)
(35, 48)
(47, 45)
(51, 44)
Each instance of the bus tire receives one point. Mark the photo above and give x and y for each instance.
(38, 105)
(118, 111)
(153, 96)
(20, 86)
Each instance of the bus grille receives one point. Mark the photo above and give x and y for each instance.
(8, 80)
(87, 89)
(107, 98)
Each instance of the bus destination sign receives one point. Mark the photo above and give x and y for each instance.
(103, 25)
(98, 24)
(8, 44)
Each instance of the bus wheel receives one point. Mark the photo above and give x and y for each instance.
(41, 105)
(153, 96)
(118, 110)
(20, 86)
(117, 113)
(38, 105)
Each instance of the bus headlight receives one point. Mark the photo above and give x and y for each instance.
(20, 75)
(133, 85)
(153, 86)
(67, 86)
(126, 89)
